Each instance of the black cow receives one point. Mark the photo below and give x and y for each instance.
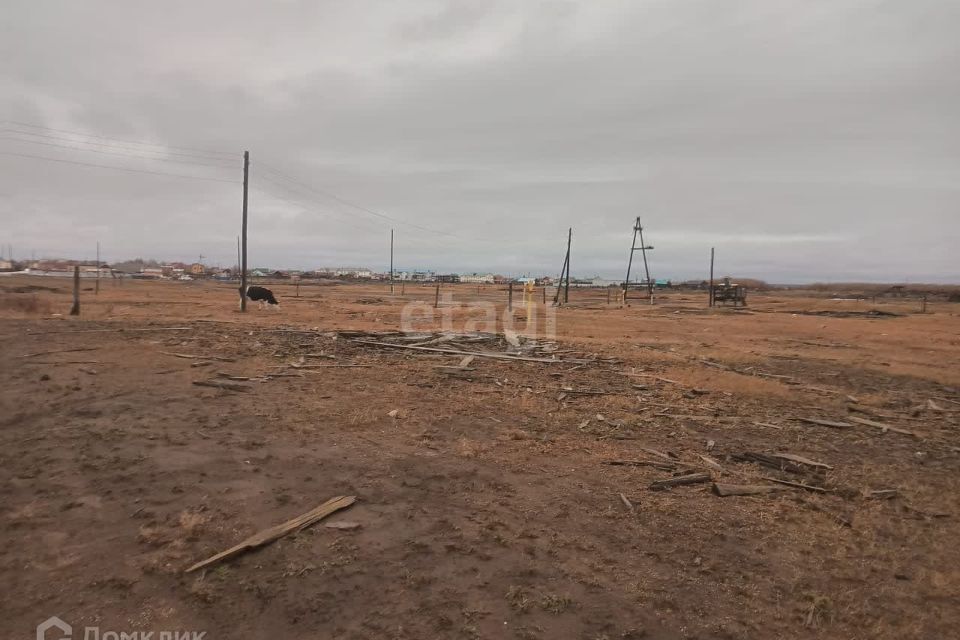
(261, 295)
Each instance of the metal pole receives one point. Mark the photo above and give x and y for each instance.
(633, 246)
(646, 269)
(243, 234)
(391, 260)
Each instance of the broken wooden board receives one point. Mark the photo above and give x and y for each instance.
(222, 384)
(269, 535)
(801, 460)
(772, 462)
(690, 478)
(883, 427)
(798, 485)
(657, 378)
(826, 423)
(710, 462)
(189, 356)
(724, 490)
(656, 464)
(46, 353)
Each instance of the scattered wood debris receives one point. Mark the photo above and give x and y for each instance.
(222, 384)
(826, 423)
(800, 459)
(724, 490)
(710, 462)
(626, 502)
(656, 464)
(189, 356)
(690, 478)
(799, 485)
(47, 353)
(477, 354)
(269, 535)
(883, 427)
(881, 494)
(772, 462)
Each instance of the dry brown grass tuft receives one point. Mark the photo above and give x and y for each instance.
(27, 304)
(518, 598)
(192, 523)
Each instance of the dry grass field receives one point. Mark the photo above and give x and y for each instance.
(504, 498)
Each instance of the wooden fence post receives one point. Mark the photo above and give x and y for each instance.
(75, 309)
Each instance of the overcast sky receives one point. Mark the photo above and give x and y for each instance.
(804, 140)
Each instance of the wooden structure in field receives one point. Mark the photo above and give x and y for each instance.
(727, 292)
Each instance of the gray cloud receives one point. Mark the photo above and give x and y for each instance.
(806, 141)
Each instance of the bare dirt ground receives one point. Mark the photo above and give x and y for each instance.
(487, 506)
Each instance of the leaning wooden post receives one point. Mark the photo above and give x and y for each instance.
(75, 309)
(710, 294)
(510, 296)
(97, 290)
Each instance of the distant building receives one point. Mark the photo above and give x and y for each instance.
(477, 278)
(6, 265)
(597, 281)
(447, 277)
(197, 269)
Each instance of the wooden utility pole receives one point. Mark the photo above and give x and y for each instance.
(710, 302)
(96, 291)
(436, 298)
(243, 234)
(75, 309)
(564, 270)
(510, 295)
(238, 256)
(566, 289)
(391, 260)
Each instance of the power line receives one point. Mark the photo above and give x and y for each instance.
(115, 153)
(349, 221)
(354, 205)
(165, 151)
(136, 142)
(104, 166)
